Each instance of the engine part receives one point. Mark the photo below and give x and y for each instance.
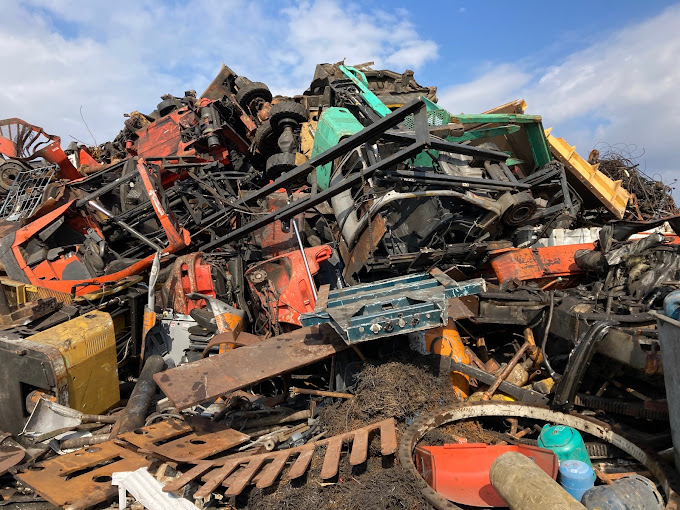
(74, 361)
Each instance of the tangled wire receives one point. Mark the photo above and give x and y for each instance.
(650, 198)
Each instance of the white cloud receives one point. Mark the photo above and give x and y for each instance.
(120, 56)
(494, 87)
(623, 89)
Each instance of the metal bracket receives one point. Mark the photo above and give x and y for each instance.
(391, 307)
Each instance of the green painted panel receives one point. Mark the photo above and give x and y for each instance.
(334, 125)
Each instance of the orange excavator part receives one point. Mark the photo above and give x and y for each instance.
(25, 142)
(281, 283)
(445, 341)
(553, 266)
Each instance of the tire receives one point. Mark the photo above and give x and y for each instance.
(166, 106)
(265, 139)
(248, 94)
(279, 163)
(287, 111)
(8, 173)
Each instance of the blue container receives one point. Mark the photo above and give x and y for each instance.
(576, 477)
(633, 492)
(566, 442)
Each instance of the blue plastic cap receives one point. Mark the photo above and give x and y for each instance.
(576, 469)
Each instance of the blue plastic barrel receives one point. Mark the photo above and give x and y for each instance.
(576, 477)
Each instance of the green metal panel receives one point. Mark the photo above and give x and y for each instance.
(361, 82)
(532, 124)
(334, 125)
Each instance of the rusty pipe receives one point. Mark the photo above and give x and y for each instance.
(506, 371)
(319, 393)
(134, 414)
(79, 442)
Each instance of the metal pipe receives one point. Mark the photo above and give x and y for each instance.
(134, 414)
(79, 442)
(506, 371)
(124, 226)
(525, 486)
(319, 393)
(304, 258)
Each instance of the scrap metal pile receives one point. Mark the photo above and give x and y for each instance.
(191, 311)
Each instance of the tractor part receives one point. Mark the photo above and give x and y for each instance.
(137, 235)
(588, 180)
(81, 479)
(265, 139)
(280, 163)
(413, 145)
(9, 171)
(541, 265)
(663, 473)
(177, 440)
(253, 96)
(282, 284)
(27, 191)
(190, 274)
(25, 142)
(287, 113)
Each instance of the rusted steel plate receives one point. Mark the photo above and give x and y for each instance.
(209, 378)
(10, 456)
(169, 439)
(81, 479)
(236, 473)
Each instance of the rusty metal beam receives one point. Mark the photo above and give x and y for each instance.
(197, 382)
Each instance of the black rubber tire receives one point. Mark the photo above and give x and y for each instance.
(265, 139)
(287, 111)
(166, 106)
(248, 93)
(279, 163)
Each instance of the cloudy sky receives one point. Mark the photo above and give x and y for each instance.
(600, 72)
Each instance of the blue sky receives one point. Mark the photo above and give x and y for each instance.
(599, 72)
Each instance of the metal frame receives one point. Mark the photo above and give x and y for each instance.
(417, 142)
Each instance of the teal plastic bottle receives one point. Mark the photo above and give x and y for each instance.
(566, 442)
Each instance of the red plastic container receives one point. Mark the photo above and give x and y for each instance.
(460, 472)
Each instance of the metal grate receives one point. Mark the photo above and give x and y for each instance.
(26, 192)
(434, 118)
